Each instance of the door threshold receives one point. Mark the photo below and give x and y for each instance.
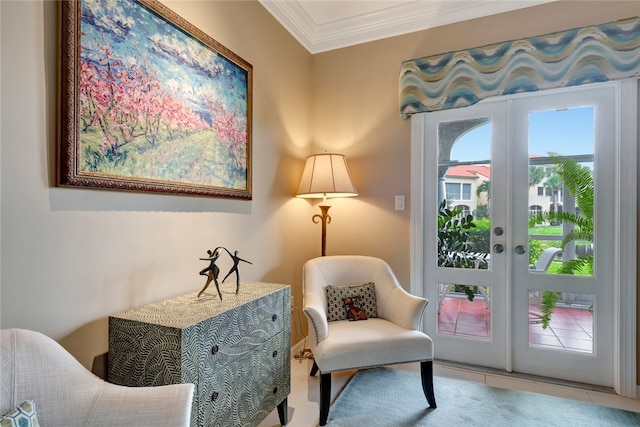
(522, 376)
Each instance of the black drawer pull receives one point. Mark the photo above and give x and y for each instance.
(214, 349)
(274, 317)
(214, 396)
(275, 353)
(275, 390)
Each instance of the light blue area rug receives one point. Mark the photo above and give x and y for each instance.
(387, 397)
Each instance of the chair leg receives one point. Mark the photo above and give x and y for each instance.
(426, 373)
(325, 397)
(314, 369)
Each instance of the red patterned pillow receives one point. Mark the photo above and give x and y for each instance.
(336, 295)
(354, 308)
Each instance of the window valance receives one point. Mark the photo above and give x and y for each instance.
(574, 57)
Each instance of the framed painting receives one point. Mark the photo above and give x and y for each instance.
(148, 102)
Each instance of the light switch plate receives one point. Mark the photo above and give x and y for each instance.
(400, 203)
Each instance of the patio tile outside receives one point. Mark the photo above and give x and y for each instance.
(570, 328)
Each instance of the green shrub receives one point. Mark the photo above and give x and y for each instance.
(480, 236)
(481, 212)
(535, 250)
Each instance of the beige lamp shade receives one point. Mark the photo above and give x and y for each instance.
(326, 175)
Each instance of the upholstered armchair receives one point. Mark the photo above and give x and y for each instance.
(33, 367)
(391, 333)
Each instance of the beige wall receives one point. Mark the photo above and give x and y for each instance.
(71, 257)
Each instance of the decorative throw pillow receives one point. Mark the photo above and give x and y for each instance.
(336, 294)
(354, 308)
(23, 416)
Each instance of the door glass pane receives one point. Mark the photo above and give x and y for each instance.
(561, 321)
(464, 193)
(464, 310)
(561, 191)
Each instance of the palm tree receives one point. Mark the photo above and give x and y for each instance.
(484, 187)
(554, 184)
(580, 184)
(536, 175)
(483, 211)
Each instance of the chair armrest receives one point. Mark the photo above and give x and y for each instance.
(404, 309)
(168, 405)
(38, 368)
(315, 310)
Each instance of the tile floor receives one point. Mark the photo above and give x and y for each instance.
(570, 329)
(303, 400)
(459, 316)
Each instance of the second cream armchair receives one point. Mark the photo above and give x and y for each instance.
(391, 336)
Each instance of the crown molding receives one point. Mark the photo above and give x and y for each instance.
(403, 18)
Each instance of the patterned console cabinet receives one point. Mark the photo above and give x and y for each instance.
(236, 351)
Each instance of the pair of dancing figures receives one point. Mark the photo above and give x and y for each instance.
(212, 271)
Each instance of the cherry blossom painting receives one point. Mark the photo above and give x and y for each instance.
(148, 102)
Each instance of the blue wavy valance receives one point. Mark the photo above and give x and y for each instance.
(568, 58)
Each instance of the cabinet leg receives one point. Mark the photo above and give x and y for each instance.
(282, 412)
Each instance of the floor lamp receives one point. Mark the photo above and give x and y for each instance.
(325, 176)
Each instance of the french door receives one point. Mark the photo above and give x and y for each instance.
(517, 233)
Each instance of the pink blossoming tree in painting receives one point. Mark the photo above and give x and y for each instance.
(156, 107)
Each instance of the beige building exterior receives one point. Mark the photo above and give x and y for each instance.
(462, 182)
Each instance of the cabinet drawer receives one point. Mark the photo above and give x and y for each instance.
(240, 389)
(230, 335)
(143, 355)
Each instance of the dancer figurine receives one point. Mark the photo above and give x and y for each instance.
(212, 271)
(236, 261)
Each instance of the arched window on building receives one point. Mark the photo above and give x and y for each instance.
(535, 210)
(465, 210)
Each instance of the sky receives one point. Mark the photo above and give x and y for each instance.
(565, 131)
(140, 38)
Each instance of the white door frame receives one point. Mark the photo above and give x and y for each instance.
(625, 207)
(625, 266)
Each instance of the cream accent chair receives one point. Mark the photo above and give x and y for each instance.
(35, 367)
(393, 337)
